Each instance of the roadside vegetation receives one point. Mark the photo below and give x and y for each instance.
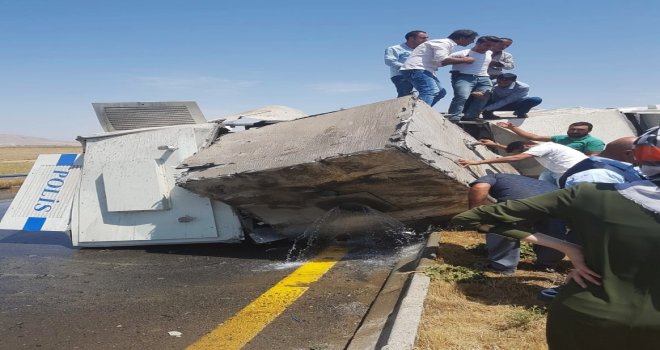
(19, 160)
(471, 309)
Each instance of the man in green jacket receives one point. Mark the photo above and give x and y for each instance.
(613, 300)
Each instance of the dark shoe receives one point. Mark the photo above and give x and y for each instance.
(486, 266)
(521, 115)
(489, 115)
(548, 294)
(472, 121)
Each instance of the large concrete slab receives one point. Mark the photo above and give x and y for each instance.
(609, 125)
(396, 156)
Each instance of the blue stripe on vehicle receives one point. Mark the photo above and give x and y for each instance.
(34, 224)
(66, 159)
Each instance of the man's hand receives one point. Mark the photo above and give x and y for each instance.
(480, 94)
(506, 125)
(465, 163)
(581, 273)
(496, 64)
(489, 143)
(467, 59)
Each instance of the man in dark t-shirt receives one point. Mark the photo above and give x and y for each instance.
(504, 253)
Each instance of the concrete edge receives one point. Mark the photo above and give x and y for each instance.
(399, 330)
(408, 314)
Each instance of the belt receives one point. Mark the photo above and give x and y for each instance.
(469, 75)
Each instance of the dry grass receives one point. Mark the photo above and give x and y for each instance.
(19, 160)
(31, 153)
(492, 312)
(16, 167)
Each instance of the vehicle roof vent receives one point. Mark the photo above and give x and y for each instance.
(136, 115)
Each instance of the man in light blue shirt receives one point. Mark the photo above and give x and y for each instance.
(395, 57)
(509, 94)
(612, 165)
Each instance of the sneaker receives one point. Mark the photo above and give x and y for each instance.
(522, 115)
(489, 115)
(488, 267)
(548, 294)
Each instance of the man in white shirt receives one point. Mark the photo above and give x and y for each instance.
(552, 156)
(396, 56)
(467, 78)
(424, 61)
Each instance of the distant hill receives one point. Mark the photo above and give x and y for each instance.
(8, 140)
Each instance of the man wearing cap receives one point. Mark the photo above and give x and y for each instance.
(395, 57)
(509, 94)
(613, 298)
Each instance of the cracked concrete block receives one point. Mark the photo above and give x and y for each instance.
(396, 156)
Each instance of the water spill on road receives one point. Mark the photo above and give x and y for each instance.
(366, 230)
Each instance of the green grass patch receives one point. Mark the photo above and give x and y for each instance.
(523, 317)
(526, 250)
(457, 274)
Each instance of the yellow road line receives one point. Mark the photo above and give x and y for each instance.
(247, 323)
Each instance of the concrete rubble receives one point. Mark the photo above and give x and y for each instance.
(396, 156)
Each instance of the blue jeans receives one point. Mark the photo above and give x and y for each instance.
(427, 85)
(550, 177)
(464, 85)
(521, 107)
(504, 253)
(403, 86)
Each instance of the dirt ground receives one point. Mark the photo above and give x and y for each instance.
(469, 309)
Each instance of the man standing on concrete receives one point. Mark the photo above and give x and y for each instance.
(467, 78)
(504, 253)
(396, 56)
(425, 60)
(509, 94)
(577, 137)
(500, 59)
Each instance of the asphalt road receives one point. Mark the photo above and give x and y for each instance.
(55, 296)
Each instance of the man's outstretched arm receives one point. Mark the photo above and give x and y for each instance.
(507, 159)
(522, 133)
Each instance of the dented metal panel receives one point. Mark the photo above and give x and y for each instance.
(126, 176)
(122, 180)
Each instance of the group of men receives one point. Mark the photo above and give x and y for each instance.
(608, 194)
(613, 209)
(479, 84)
(569, 160)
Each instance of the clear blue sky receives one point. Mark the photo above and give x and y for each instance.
(59, 56)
